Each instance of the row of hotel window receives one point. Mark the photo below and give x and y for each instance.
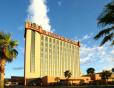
(56, 48)
(55, 42)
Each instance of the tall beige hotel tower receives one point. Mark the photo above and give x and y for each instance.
(48, 54)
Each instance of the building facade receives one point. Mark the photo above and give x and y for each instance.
(48, 54)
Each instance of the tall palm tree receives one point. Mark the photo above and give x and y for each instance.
(106, 21)
(7, 53)
(91, 72)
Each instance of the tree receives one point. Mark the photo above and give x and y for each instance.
(105, 75)
(7, 53)
(112, 70)
(67, 74)
(106, 21)
(91, 71)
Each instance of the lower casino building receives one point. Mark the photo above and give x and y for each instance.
(48, 54)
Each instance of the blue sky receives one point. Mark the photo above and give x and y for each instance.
(74, 19)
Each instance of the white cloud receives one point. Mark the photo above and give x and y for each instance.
(85, 37)
(92, 54)
(108, 67)
(101, 58)
(98, 57)
(112, 52)
(59, 3)
(37, 13)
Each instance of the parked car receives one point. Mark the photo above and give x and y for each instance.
(36, 82)
(7, 84)
(14, 83)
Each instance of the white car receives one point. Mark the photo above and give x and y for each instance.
(8, 84)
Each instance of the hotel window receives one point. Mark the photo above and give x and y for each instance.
(41, 55)
(50, 51)
(46, 44)
(42, 43)
(50, 39)
(46, 38)
(42, 37)
(70, 45)
(60, 43)
(64, 43)
(50, 45)
(46, 50)
(41, 49)
(54, 46)
(53, 40)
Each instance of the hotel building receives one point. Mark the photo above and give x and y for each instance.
(48, 54)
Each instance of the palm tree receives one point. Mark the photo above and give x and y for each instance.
(105, 75)
(106, 21)
(112, 70)
(91, 72)
(67, 74)
(7, 53)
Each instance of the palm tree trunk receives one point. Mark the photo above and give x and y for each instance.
(2, 64)
(1, 80)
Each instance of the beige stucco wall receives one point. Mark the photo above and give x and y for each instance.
(36, 73)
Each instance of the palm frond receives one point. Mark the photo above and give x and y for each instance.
(106, 20)
(13, 43)
(110, 6)
(112, 43)
(14, 53)
(7, 47)
(1, 35)
(6, 52)
(9, 60)
(107, 38)
(107, 16)
(7, 37)
(103, 32)
(1, 42)
(1, 54)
